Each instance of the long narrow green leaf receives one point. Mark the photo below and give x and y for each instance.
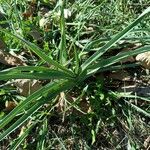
(114, 59)
(138, 109)
(37, 50)
(20, 139)
(77, 60)
(62, 52)
(31, 99)
(30, 68)
(133, 96)
(53, 90)
(111, 68)
(32, 73)
(42, 136)
(41, 76)
(131, 39)
(21, 120)
(108, 45)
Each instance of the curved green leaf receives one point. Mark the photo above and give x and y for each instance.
(33, 103)
(114, 59)
(38, 51)
(138, 109)
(52, 88)
(115, 39)
(26, 72)
(20, 139)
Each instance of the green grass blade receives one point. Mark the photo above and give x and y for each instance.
(114, 59)
(62, 52)
(117, 67)
(138, 109)
(116, 38)
(16, 144)
(48, 95)
(42, 136)
(21, 120)
(133, 96)
(31, 68)
(26, 72)
(111, 68)
(77, 60)
(32, 99)
(38, 51)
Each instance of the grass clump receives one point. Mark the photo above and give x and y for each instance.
(69, 48)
